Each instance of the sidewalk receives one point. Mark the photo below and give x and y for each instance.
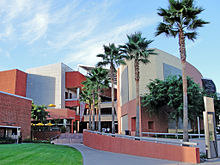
(97, 157)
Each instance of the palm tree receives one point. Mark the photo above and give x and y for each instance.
(86, 96)
(112, 57)
(136, 49)
(38, 112)
(181, 18)
(99, 78)
(89, 93)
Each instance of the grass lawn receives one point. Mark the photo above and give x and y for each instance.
(38, 154)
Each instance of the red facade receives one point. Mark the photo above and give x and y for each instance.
(13, 81)
(16, 111)
(72, 103)
(62, 114)
(74, 79)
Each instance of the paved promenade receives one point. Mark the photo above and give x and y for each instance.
(96, 157)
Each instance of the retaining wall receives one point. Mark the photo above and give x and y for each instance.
(141, 148)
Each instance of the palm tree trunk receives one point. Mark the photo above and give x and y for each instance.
(99, 110)
(90, 116)
(136, 66)
(113, 101)
(93, 111)
(177, 121)
(184, 79)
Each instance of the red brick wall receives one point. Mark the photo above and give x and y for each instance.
(160, 121)
(62, 114)
(13, 81)
(21, 81)
(16, 111)
(45, 135)
(141, 148)
(8, 81)
(74, 79)
(108, 92)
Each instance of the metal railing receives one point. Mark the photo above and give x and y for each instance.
(148, 139)
(156, 134)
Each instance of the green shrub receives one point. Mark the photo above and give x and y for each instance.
(7, 140)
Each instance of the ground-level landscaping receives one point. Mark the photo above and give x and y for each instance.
(38, 154)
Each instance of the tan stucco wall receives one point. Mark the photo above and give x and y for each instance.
(148, 72)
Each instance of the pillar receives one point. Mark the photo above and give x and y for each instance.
(72, 126)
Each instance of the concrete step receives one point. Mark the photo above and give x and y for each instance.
(68, 138)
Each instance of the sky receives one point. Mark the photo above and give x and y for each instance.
(36, 33)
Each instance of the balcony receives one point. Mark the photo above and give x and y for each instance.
(103, 118)
(72, 102)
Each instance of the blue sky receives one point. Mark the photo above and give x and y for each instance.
(35, 33)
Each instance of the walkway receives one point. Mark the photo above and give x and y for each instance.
(97, 157)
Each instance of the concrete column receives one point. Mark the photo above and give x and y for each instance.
(64, 122)
(77, 110)
(72, 126)
(77, 94)
(77, 126)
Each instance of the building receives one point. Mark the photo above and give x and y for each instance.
(106, 106)
(15, 108)
(60, 86)
(161, 66)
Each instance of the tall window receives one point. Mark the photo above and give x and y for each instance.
(66, 95)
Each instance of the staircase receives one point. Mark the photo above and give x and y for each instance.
(69, 138)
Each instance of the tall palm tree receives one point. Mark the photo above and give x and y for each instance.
(181, 18)
(112, 57)
(100, 80)
(89, 93)
(86, 96)
(136, 49)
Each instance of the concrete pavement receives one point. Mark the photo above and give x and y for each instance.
(97, 157)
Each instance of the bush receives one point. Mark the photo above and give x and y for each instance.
(35, 141)
(7, 140)
(63, 129)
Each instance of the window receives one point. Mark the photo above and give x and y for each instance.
(66, 95)
(150, 125)
(70, 95)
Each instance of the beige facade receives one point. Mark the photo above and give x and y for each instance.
(161, 66)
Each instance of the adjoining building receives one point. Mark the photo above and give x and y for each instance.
(59, 86)
(15, 108)
(161, 66)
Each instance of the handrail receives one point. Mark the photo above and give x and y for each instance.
(155, 140)
(175, 134)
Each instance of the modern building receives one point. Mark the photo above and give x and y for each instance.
(160, 67)
(59, 86)
(15, 107)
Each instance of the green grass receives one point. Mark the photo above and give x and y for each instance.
(38, 154)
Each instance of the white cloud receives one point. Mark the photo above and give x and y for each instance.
(86, 51)
(35, 28)
(26, 19)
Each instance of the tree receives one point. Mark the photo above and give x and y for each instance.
(38, 112)
(169, 93)
(89, 94)
(136, 49)
(86, 96)
(113, 57)
(181, 18)
(99, 79)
